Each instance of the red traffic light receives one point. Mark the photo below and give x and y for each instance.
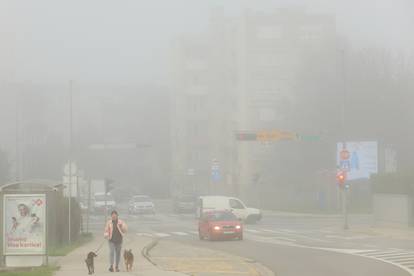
(341, 178)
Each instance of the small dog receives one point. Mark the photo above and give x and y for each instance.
(89, 262)
(129, 259)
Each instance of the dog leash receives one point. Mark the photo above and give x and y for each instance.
(100, 246)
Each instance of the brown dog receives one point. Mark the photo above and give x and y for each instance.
(129, 259)
(90, 263)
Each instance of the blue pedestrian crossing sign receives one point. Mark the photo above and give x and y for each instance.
(215, 171)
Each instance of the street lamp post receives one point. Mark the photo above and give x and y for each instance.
(70, 161)
(17, 153)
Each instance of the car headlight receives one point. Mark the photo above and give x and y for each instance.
(238, 227)
(216, 228)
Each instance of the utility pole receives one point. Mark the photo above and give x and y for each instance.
(70, 159)
(17, 164)
(343, 124)
(89, 206)
(106, 200)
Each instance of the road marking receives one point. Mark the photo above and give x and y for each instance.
(357, 251)
(273, 231)
(193, 232)
(406, 261)
(162, 235)
(286, 239)
(252, 231)
(382, 253)
(401, 257)
(144, 235)
(288, 231)
(179, 233)
(346, 238)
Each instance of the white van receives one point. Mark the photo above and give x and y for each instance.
(99, 202)
(233, 204)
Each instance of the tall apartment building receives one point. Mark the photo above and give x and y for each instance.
(203, 100)
(273, 49)
(238, 76)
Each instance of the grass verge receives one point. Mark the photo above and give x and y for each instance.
(65, 249)
(39, 271)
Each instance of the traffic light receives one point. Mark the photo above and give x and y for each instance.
(108, 185)
(341, 178)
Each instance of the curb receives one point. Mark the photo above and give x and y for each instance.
(261, 269)
(147, 249)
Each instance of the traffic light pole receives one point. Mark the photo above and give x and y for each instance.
(343, 118)
(345, 207)
(341, 179)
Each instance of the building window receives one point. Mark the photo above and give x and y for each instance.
(269, 32)
(196, 103)
(310, 33)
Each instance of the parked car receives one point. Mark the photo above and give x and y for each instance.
(184, 204)
(141, 204)
(100, 200)
(83, 204)
(231, 204)
(214, 225)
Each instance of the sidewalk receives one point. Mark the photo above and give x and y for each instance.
(197, 261)
(401, 233)
(292, 214)
(367, 228)
(74, 263)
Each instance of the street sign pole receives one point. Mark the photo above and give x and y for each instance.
(345, 207)
(215, 175)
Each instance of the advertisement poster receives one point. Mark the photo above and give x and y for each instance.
(358, 159)
(24, 224)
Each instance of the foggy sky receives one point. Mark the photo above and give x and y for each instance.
(127, 41)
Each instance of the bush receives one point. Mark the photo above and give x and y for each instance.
(65, 249)
(58, 222)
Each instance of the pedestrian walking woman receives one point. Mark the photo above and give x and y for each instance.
(115, 229)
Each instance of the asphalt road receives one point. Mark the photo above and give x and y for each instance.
(291, 245)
